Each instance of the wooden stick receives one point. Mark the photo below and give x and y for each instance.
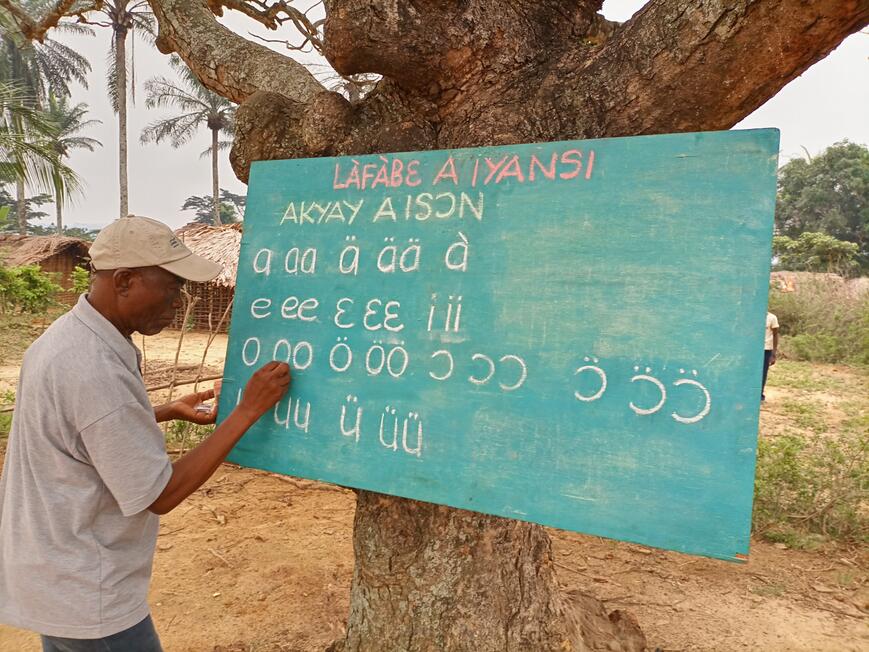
(212, 335)
(153, 388)
(179, 383)
(191, 301)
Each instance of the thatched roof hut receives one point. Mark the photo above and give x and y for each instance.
(220, 244)
(54, 254)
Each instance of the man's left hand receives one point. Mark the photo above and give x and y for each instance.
(185, 408)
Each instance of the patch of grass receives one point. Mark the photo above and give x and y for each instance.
(17, 332)
(5, 426)
(805, 376)
(805, 414)
(769, 590)
(182, 434)
(847, 579)
(810, 485)
(6, 398)
(858, 416)
(794, 538)
(15, 335)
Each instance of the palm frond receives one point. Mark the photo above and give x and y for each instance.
(222, 146)
(163, 92)
(178, 130)
(70, 27)
(112, 79)
(67, 62)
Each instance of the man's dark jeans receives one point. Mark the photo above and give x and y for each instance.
(766, 358)
(138, 638)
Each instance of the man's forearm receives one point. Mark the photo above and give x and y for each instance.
(191, 471)
(163, 413)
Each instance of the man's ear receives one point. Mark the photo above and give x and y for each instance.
(122, 279)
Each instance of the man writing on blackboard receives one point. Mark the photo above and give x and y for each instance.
(86, 471)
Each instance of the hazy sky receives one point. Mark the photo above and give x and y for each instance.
(826, 104)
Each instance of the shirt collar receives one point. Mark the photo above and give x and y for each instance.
(106, 331)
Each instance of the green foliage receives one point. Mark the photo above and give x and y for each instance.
(5, 425)
(815, 252)
(32, 212)
(186, 435)
(81, 280)
(827, 194)
(82, 233)
(27, 289)
(231, 207)
(24, 131)
(823, 321)
(197, 106)
(805, 414)
(31, 71)
(795, 375)
(7, 398)
(812, 486)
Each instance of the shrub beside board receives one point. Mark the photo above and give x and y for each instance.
(566, 333)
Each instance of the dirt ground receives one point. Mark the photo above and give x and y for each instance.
(255, 562)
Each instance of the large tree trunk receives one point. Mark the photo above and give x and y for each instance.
(215, 181)
(120, 36)
(21, 205)
(429, 577)
(487, 72)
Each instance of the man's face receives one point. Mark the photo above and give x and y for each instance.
(151, 299)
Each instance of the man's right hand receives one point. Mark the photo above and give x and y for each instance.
(265, 388)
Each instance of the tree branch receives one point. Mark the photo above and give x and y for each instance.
(225, 62)
(698, 65)
(35, 30)
(273, 16)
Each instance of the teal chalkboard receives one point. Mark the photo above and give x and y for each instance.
(566, 333)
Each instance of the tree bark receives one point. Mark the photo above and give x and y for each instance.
(215, 182)
(59, 211)
(21, 205)
(236, 68)
(489, 72)
(120, 36)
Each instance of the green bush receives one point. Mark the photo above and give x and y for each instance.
(186, 435)
(816, 252)
(7, 398)
(81, 280)
(27, 289)
(806, 488)
(823, 321)
(817, 347)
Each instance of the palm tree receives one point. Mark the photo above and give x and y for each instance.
(126, 18)
(24, 132)
(199, 107)
(38, 69)
(68, 121)
(27, 154)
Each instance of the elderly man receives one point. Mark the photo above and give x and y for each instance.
(86, 471)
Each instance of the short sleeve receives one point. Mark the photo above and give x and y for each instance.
(773, 322)
(127, 449)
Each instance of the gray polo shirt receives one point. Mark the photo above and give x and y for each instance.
(85, 459)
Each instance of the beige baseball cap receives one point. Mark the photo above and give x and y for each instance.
(142, 242)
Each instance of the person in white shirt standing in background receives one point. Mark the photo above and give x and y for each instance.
(770, 346)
